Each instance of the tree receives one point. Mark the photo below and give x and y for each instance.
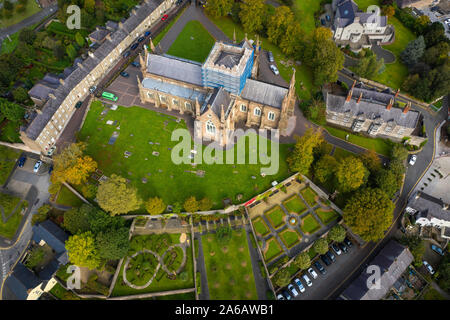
(302, 261)
(251, 15)
(11, 111)
(388, 11)
(351, 173)
(436, 55)
(28, 36)
(155, 206)
(41, 215)
(218, 8)
(369, 66)
(279, 23)
(79, 39)
(20, 95)
(205, 204)
(301, 158)
(113, 244)
(369, 213)
(282, 278)
(399, 152)
(434, 34)
(177, 207)
(89, 5)
(76, 220)
(388, 181)
(315, 111)
(325, 168)
(191, 205)
(444, 273)
(417, 247)
(421, 24)
(337, 233)
(413, 51)
(371, 161)
(80, 171)
(116, 197)
(82, 251)
(320, 246)
(71, 51)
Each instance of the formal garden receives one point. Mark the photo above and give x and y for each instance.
(115, 140)
(11, 210)
(228, 265)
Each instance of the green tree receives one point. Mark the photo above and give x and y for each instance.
(79, 39)
(205, 204)
(41, 215)
(388, 181)
(369, 66)
(320, 246)
(28, 36)
(444, 273)
(369, 213)
(155, 206)
(279, 23)
(325, 168)
(117, 197)
(71, 51)
(350, 173)
(371, 161)
(413, 51)
(337, 233)
(191, 205)
(177, 207)
(399, 152)
(113, 244)
(11, 111)
(251, 15)
(20, 95)
(302, 261)
(83, 252)
(437, 55)
(301, 158)
(76, 220)
(281, 278)
(218, 8)
(417, 247)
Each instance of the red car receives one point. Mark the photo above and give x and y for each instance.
(164, 18)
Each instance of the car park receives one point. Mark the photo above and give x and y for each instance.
(164, 17)
(126, 54)
(270, 56)
(274, 69)
(412, 160)
(330, 255)
(124, 74)
(319, 267)
(287, 295)
(307, 280)
(437, 249)
(22, 161)
(134, 46)
(37, 166)
(280, 297)
(347, 242)
(136, 64)
(312, 273)
(299, 285)
(78, 104)
(292, 290)
(428, 267)
(343, 247)
(140, 39)
(325, 259)
(336, 249)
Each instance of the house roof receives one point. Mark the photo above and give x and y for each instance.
(19, 282)
(111, 25)
(40, 91)
(264, 93)
(53, 235)
(49, 270)
(173, 89)
(392, 260)
(99, 34)
(170, 67)
(219, 98)
(429, 207)
(347, 11)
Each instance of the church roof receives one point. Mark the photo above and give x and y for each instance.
(176, 69)
(264, 93)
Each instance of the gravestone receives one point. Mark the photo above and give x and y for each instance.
(127, 154)
(155, 153)
(144, 180)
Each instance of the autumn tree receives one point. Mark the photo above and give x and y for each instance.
(279, 23)
(369, 213)
(399, 152)
(41, 215)
(82, 251)
(218, 8)
(113, 244)
(388, 181)
(155, 206)
(337, 233)
(302, 156)
(371, 161)
(416, 246)
(205, 204)
(388, 11)
(251, 15)
(302, 261)
(350, 173)
(320, 246)
(76, 220)
(290, 41)
(191, 205)
(325, 168)
(117, 197)
(282, 278)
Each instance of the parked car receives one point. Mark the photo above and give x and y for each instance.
(402, 229)
(292, 290)
(447, 21)
(343, 247)
(270, 56)
(322, 22)
(280, 297)
(50, 170)
(327, 17)
(140, 39)
(319, 267)
(330, 255)
(78, 104)
(325, 259)
(336, 249)
(412, 160)
(347, 242)
(274, 69)
(312, 273)
(37, 166)
(136, 64)
(429, 268)
(134, 46)
(307, 280)
(126, 54)
(22, 161)
(299, 285)
(124, 74)
(147, 33)
(287, 295)
(164, 17)
(92, 89)
(437, 249)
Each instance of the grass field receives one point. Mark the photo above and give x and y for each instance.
(260, 226)
(310, 224)
(68, 198)
(309, 195)
(295, 204)
(9, 46)
(276, 217)
(273, 249)
(304, 12)
(340, 153)
(326, 216)
(8, 158)
(10, 204)
(166, 29)
(289, 237)
(10, 132)
(166, 179)
(229, 267)
(30, 9)
(194, 42)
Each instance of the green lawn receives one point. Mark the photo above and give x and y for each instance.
(260, 226)
(295, 204)
(194, 42)
(30, 9)
(167, 180)
(289, 237)
(303, 76)
(275, 217)
(11, 204)
(327, 216)
(310, 224)
(9, 46)
(304, 12)
(62, 294)
(8, 158)
(10, 132)
(273, 249)
(379, 145)
(166, 29)
(68, 198)
(309, 195)
(161, 282)
(229, 267)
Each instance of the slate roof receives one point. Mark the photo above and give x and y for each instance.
(347, 11)
(429, 207)
(219, 98)
(19, 282)
(41, 91)
(228, 59)
(173, 89)
(264, 93)
(99, 34)
(392, 260)
(111, 25)
(176, 69)
(53, 235)
(371, 109)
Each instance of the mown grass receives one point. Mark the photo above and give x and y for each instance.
(68, 198)
(275, 217)
(260, 226)
(310, 224)
(309, 195)
(273, 250)
(326, 216)
(289, 237)
(295, 204)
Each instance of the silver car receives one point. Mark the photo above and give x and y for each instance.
(429, 268)
(292, 290)
(312, 273)
(274, 69)
(307, 280)
(413, 159)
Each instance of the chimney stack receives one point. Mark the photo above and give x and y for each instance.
(108, 37)
(359, 99)
(396, 94)
(389, 106)
(349, 95)
(51, 95)
(407, 108)
(61, 80)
